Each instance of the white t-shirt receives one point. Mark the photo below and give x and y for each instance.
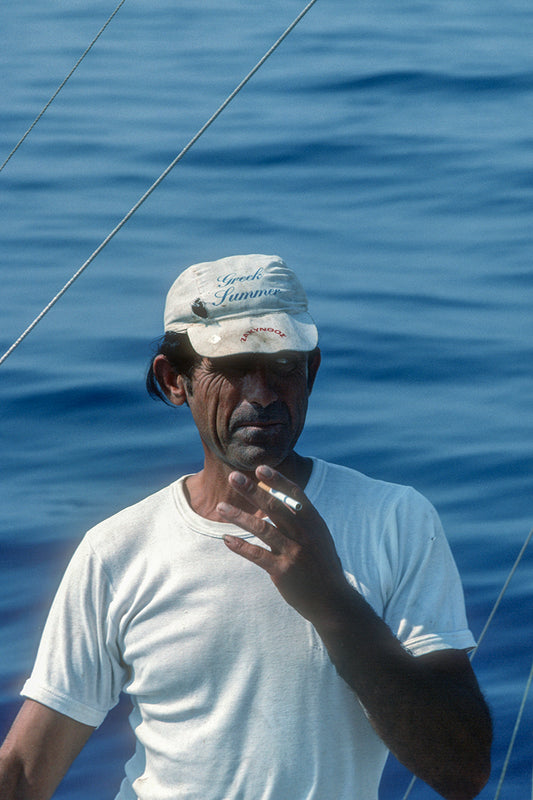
(234, 695)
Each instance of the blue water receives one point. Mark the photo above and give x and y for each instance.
(386, 152)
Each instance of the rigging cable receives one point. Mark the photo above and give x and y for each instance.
(476, 648)
(72, 71)
(515, 731)
(156, 183)
(502, 592)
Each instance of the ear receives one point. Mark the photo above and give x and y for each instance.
(170, 381)
(312, 369)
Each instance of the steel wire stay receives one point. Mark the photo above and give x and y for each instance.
(515, 731)
(72, 71)
(156, 183)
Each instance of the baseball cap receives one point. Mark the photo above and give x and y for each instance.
(241, 304)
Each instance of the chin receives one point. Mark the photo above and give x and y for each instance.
(247, 459)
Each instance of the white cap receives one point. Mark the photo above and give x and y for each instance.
(241, 304)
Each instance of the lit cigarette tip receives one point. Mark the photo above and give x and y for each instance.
(284, 498)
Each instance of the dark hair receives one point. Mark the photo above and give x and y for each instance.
(177, 348)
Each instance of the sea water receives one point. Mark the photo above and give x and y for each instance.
(386, 152)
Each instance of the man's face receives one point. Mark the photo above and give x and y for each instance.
(250, 409)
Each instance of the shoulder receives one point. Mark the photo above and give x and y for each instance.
(377, 516)
(133, 529)
(350, 488)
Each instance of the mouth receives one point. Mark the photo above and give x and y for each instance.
(261, 422)
(258, 424)
(259, 427)
(258, 430)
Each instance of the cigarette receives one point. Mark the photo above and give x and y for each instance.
(284, 498)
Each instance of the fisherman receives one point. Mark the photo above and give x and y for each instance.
(278, 622)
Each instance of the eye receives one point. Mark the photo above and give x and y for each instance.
(284, 365)
(232, 366)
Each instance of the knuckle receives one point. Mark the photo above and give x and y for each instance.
(256, 554)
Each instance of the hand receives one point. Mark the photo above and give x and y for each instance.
(302, 560)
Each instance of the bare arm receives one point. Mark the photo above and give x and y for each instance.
(37, 752)
(428, 710)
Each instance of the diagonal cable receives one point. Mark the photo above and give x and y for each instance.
(72, 71)
(515, 731)
(156, 183)
(502, 592)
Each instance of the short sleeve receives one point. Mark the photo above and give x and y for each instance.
(78, 670)
(425, 605)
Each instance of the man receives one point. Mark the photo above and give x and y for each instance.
(277, 621)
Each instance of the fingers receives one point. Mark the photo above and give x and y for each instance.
(272, 493)
(251, 552)
(260, 528)
(279, 487)
(278, 530)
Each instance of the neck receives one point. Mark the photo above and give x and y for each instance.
(210, 486)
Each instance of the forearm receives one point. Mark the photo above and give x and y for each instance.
(38, 750)
(13, 783)
(434, 722)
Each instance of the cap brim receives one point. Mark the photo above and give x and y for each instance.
(269, 333)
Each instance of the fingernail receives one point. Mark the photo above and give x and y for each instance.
(265, 471)
(238, 478)
(232, 542)
(225, 508)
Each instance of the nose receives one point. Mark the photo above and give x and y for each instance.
(257, 387)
